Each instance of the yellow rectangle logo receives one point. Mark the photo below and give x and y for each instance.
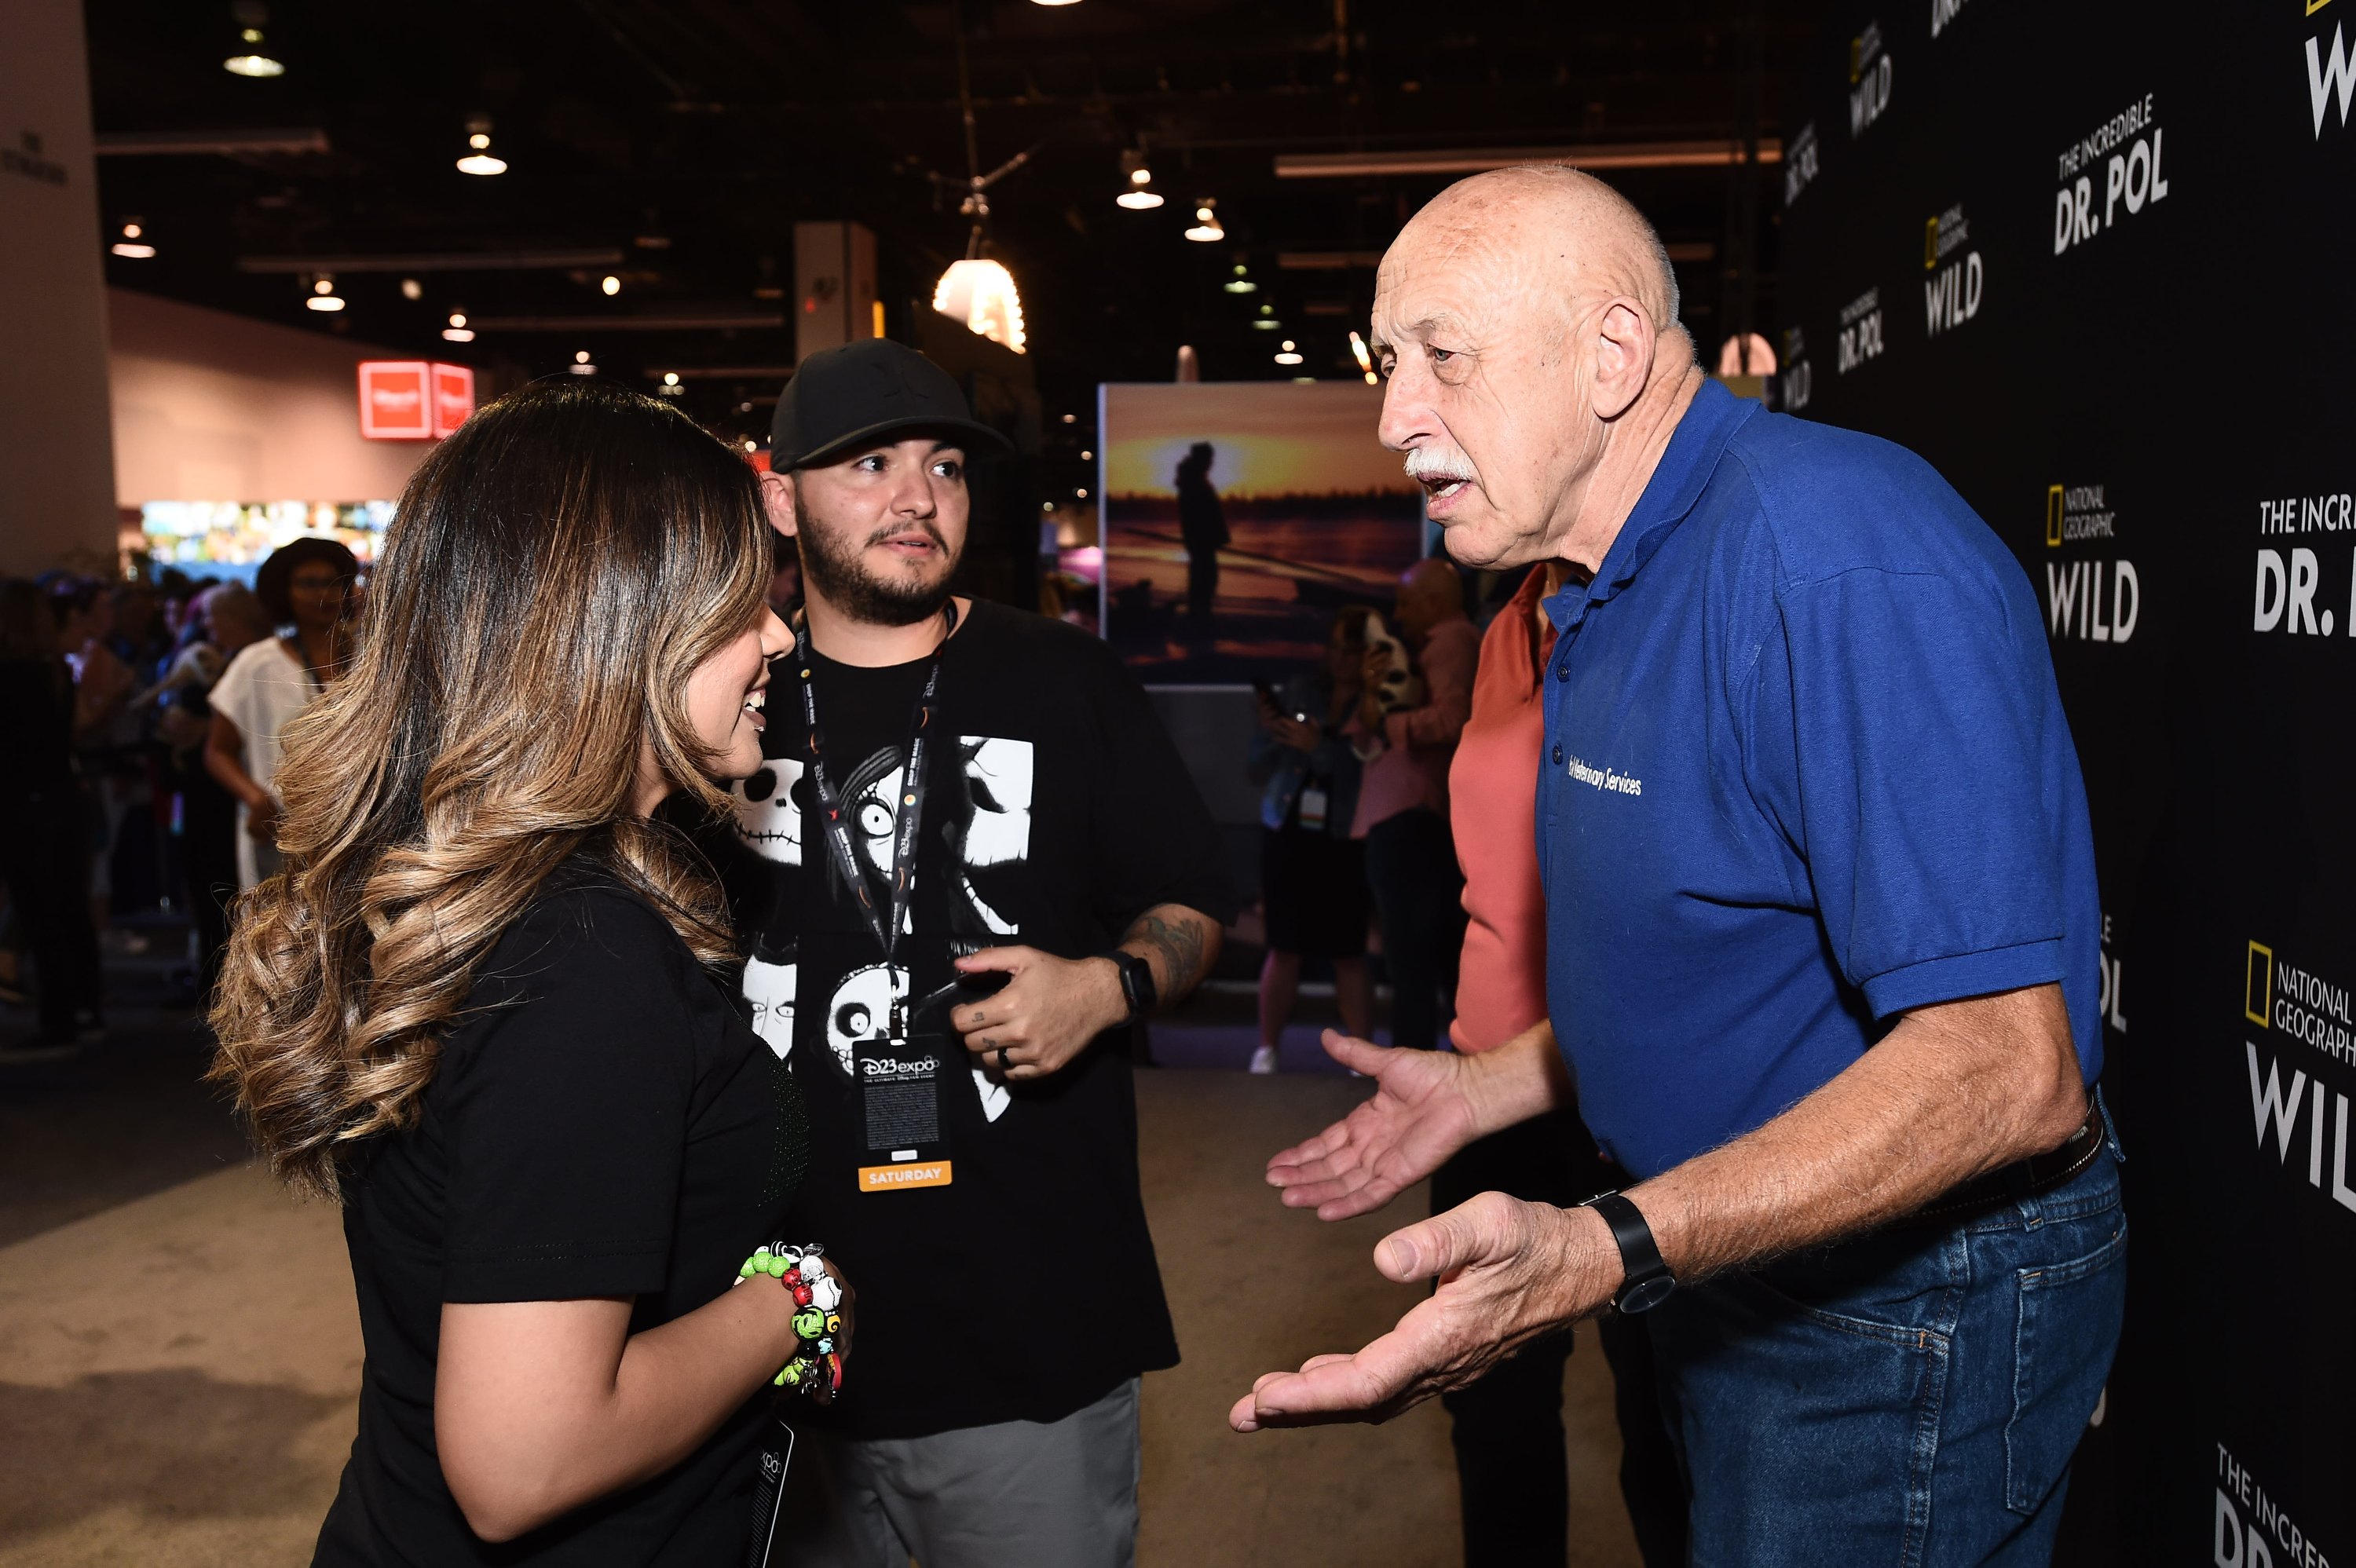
(2053, 516)
(892, 1178)
(2258, 983)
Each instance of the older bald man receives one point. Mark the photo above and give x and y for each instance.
(1822, 928)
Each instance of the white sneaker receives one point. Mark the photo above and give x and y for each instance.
(1264, 1060)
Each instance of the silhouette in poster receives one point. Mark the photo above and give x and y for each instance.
(1203, 528)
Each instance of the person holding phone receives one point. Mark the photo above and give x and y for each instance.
(1313, 892)
(480, 1007)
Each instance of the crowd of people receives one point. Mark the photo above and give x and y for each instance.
(143, 719)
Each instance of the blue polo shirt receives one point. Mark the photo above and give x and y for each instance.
(1805, 768)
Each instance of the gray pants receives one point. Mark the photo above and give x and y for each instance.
(1059, 1494)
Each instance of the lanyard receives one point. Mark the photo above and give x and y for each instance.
(884, 922)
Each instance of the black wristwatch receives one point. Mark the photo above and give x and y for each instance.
(1136, 982)
(1648, 1281)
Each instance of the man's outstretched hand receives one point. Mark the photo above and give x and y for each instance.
(1421, 1112)
(1508, 1272)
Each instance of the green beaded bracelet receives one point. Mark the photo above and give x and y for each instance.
(818, 1366)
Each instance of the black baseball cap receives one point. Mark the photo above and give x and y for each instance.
(860, 393)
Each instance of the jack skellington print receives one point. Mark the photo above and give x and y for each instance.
(980, 821)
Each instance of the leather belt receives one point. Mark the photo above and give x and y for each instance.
(2021, 1178)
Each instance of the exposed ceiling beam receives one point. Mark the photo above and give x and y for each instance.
(719, 319)
(443, 261)
(1473, 160)
(136, 144)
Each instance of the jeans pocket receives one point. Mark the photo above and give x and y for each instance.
(2064, 1339)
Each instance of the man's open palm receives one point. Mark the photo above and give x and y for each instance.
(1421, 1114)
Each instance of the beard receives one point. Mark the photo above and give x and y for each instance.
(840, 577)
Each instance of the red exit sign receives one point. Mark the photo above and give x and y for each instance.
(413, 399)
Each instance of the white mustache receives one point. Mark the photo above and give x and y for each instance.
(1433, 464)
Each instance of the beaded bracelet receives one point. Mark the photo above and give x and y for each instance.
(818, 1298)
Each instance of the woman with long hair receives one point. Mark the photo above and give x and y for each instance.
(478, 1007)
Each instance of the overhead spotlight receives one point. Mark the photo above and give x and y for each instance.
(323, 296)
(1241, 283)
(1088, 456)
(1266, 321)
(1139, 196)
(1055, 2)
(1071, 418)
(1082, 493)
(581, 364)
(459, 331)
(479, 161)
(752, 446)
(1288, 356)
(131, 245)
(612, 285)
(981, 294)
(670, 386)
(1358, 351)
(410, 289)
(250, 60)
(1206, 222)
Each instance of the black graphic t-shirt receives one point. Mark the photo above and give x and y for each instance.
(1057, 811)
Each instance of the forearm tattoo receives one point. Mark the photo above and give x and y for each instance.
(1179, 943)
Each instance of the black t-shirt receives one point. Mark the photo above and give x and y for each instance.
(602, 1124)
(1056, 812)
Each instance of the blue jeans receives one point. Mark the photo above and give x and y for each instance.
(1910, 1398)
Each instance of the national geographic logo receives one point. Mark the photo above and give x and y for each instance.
(1799, 163)
(1868, 79)
(2097, 599)
(2331, 73)
(2127, 146)
(1797, 380)
(1861, 336)
(2298, 1116)
(2294, 594)
(1951, 295)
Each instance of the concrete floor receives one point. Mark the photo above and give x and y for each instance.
(178, 1353)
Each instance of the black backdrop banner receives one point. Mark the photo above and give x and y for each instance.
(2094, 263)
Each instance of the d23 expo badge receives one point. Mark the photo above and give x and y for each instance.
(900, 1084)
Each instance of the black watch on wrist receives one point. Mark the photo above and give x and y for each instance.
(1136, 982)
(1648, 1281)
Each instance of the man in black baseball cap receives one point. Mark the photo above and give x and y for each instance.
(973, 857)
(875, 437)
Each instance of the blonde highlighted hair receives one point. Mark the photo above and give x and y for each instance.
(554, 572)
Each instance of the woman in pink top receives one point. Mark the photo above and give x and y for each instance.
(1510, 1459)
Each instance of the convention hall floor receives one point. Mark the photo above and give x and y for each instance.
(178, 1354)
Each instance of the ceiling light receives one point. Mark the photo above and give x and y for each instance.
(1055, 2)
(459, 331)
(410, 289)
(581, 357)
(981, 294)
(129, 244)
(323, 294)
(1139, 196)
(612, 285)
(1287, 356)
(1206, 222)
(479, 161)
(1359, 351)
(670, 378)
(1240, 284)
(250, 60)
(1086, 456)
(1083, 495)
